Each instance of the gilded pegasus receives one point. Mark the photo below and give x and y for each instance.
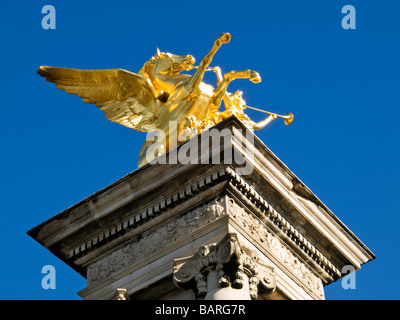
(158, 94)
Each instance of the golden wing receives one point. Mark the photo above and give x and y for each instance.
(125, 97)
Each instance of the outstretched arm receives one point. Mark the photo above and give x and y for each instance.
(262, 124)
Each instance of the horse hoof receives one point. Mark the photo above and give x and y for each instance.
(225, 37)
(254, 77)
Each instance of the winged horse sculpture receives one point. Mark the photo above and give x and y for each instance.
(158, 94)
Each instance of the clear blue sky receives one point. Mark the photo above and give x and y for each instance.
(341, 85)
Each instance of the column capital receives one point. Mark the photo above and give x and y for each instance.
(237, 267)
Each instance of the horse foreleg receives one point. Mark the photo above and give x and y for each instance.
(197, 77)
(220, 91)
(253, 76)
(223, 38)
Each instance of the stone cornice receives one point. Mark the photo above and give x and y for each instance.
(265, 210)
(146, 215)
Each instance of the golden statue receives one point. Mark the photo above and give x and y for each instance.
(159, 93)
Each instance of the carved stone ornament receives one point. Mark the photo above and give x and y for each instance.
(233, 263)
(274, 245)
(149, 243)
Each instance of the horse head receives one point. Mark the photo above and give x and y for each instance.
(164, 63)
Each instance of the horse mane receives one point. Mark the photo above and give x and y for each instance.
(144, 71)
